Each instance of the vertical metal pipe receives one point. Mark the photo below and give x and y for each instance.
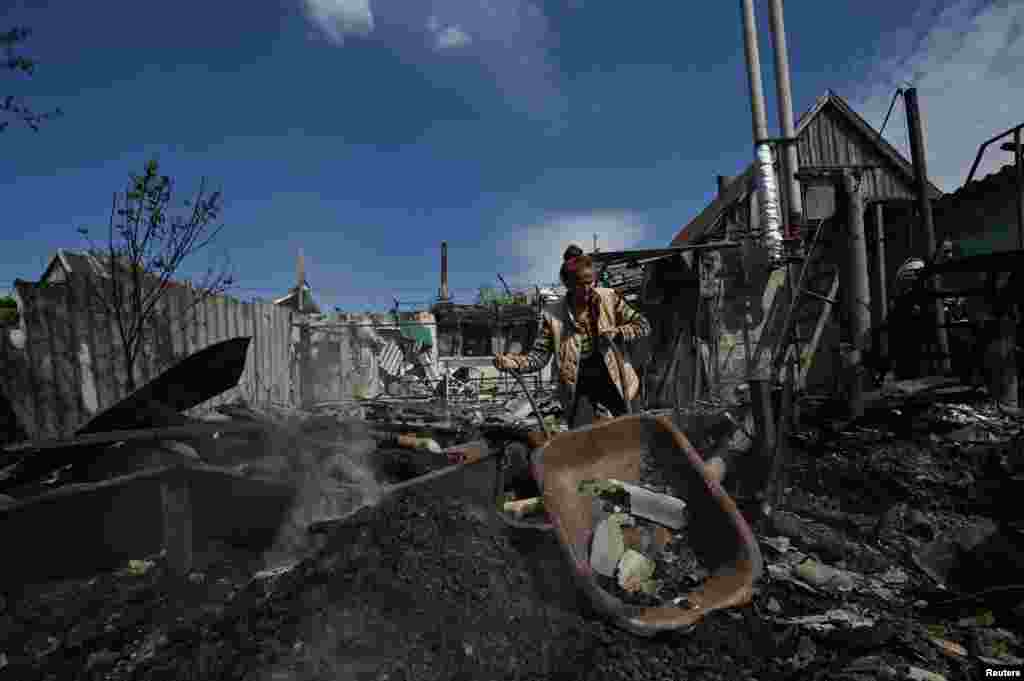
(1019, 167)
(757, 109)
(767, 191)
(790, 163)
(300, 275)
(924, 205)
(443, 294)
(879, 294)
(858, 292)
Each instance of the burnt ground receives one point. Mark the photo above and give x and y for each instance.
(427, 586)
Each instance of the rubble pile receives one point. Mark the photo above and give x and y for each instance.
(416, 587)
(889, 559)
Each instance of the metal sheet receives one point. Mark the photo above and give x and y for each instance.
(191, 382)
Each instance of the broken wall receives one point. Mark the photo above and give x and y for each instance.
(62, 362)
(353, 356)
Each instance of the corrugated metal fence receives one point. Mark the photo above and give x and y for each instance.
(62, 363)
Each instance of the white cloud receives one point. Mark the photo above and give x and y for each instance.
(338, 18)
(966, 59)
(448, 37)
(539, 247)
(510, 38)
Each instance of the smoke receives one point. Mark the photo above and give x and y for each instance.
(328, 464)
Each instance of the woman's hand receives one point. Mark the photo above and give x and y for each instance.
(503, 362)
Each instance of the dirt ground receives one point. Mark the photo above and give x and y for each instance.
(429, 586)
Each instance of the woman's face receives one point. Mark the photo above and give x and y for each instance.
(583, 282)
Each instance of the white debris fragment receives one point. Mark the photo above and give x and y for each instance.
(830, 620)
(918, 674)
(780, 544)
(824, 576)
(658, 508)
(608, 545)
(274, 572)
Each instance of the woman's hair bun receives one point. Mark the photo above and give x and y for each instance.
(573, 251)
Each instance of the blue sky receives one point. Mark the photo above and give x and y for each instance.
(367, 131)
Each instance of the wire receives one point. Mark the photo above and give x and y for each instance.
(899, 91)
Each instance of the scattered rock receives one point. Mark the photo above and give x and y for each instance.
(918, 674)
(780, 544)
(101, 659)
(823, 576)
(869, 668)
(138, 568)
(806, 651)
(949, 648)
(830, 621)
(918, 525)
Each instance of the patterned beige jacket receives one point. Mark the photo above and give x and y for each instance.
(558, 336)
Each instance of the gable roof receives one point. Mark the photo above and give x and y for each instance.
(75, 262)
(69, 262)
(737, 189)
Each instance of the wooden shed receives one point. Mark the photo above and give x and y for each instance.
(830, 135)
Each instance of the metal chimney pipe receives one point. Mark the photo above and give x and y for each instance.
(767, 190)
(789, 165)
(443, 294)
(300, 277)
(757, 110)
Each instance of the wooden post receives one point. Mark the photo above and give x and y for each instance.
(937, 311)
(764, 428)
(858, 291)
(1001, 361)
(176, 501)
(879, 295)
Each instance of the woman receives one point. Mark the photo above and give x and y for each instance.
(578, 331)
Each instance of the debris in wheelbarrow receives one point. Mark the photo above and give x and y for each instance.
(659, 508)
(719, 542)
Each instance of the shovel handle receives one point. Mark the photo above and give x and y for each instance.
(622, 373)
(533, 403)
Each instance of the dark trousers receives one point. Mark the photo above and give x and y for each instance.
(594, 387)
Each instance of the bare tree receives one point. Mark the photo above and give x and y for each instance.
(142, 259)
(10, 106)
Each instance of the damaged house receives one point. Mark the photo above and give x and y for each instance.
(830, 138)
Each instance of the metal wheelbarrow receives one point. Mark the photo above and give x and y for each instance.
(718, 534)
